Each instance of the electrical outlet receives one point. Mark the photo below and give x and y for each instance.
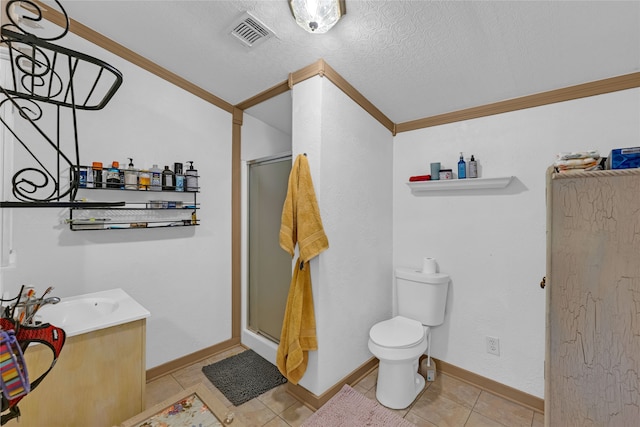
(493, 346)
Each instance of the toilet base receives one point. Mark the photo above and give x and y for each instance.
(398, 384)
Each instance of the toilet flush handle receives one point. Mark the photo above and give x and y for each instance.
(543, 282)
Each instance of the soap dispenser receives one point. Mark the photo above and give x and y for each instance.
(473, 167)
(462, 168)
(130, 176)
(191, 178)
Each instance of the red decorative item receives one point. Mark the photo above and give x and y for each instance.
(46, 334)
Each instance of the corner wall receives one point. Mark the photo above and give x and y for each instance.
(349, 155)
(493, 242)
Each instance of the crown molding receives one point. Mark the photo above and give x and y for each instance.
(272, 92)
(322, 69)
(106, 43)
(599, 87)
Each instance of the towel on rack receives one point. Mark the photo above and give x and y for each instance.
(301, 224)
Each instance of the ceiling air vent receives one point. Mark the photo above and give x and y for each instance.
(250, 31)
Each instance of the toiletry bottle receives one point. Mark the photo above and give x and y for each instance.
(192, 178)
(473, 168)
(82, 177)
(144, 180)
(113, 175)
(97, 175)
(177, 168)
(121, 176)
(131, 176)
(168, 179)
(462, 168)
(156, 178)
(90, 183)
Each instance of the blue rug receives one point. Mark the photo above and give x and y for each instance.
(243, 376)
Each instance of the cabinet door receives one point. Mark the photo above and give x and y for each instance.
(593, 301)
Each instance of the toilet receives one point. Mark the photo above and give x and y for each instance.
(399, 342)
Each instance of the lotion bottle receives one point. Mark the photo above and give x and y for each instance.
(131, 176)
(462, 168)
(473, 168)
(191, 176)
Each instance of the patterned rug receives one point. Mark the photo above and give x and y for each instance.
(243, 376)
(349, 408)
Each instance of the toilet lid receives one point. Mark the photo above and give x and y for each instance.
(398, 332)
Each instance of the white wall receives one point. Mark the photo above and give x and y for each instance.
(349, 155)
(492, 242)
(181, 275)
(259, 140)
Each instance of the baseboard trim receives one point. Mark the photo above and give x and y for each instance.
(314, 402)
(494, 387)
(189, 359)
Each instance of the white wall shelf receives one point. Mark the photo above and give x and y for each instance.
(420, 187)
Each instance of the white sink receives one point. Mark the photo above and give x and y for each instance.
(90, 312)
(77, 311)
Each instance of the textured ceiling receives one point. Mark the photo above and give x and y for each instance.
(411, 59)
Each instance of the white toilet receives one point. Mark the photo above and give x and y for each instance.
(399, 342)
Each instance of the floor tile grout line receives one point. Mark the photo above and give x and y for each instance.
(175, 377)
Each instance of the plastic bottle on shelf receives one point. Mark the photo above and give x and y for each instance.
(113, 175)
(177, 168)
(168, 179)
(192, 178)
(98, 181)
(82, 177)
(131, 176)
(121, 176)
(462, 168)
(156, 178)
(144, 180)
(90, 183)
(473, 167)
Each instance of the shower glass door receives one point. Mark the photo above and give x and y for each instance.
(269, 274)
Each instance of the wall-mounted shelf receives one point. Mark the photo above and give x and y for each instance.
(420, 187)
(142, 209)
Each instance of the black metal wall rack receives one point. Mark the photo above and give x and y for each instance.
(48, 79)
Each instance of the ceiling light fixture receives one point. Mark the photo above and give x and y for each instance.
(317, 16)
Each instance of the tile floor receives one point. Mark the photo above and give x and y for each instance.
(446, 402)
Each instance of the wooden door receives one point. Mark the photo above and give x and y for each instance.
(592, 373)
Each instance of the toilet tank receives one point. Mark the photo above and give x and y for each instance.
(421, 296)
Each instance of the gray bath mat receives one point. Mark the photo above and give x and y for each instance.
(243, 376)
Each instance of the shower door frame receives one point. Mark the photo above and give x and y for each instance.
(273, 335)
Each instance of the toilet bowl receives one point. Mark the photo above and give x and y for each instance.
(398, 343)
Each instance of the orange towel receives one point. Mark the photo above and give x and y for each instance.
(301, 224)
